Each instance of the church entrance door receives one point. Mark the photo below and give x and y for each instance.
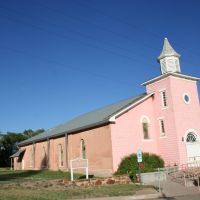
(193, 147)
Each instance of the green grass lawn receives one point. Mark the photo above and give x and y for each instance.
(8, 175)
(69, 193)
(43, 185)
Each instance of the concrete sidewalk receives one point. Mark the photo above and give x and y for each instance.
(168, 189)
(146, 193)
(172, 189)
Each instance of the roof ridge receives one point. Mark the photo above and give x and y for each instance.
(90, 119)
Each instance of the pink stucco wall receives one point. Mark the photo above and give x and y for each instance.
(178, 116)
(127, 132)
(167, 146)
(186, 115)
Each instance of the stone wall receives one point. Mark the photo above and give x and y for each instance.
(99, 181)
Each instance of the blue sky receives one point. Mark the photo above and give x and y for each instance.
(59, 59)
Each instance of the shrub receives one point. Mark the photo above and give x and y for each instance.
(129, 164)
(196, 181)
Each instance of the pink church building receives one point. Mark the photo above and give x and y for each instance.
(165, 120)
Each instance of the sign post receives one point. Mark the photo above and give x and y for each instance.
(79, 163)
(139, 160)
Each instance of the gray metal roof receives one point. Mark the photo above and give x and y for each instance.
(91, 119)
(167, 50)
(17, 154)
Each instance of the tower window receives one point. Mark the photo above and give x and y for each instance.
(164, 98)
(162, 128)
(186, 98)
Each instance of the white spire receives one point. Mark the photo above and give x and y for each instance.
(168, 50)
(169, 58)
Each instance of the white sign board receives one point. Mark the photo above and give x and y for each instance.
(139, 155)
(79, 163)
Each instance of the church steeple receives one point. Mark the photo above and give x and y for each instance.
(169, 59)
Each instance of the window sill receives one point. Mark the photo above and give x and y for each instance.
(163, 108)
(147, 140)
(162, 137)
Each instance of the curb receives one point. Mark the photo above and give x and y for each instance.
(147, 196)
(136, 197)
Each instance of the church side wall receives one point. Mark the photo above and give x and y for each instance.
(40, 155)
(127, 132)
(26, 158)
(54, 154)
(98, 149)
(17, 165)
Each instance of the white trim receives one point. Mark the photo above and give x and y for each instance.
(193, 131)
(163, 137)
(168, 74)
(113, 118)
(144, 117)
(186, 102)
(179, 78)
(164, 108)
(147, 140)
(161, 90)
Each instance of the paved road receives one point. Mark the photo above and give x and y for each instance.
(187, 197)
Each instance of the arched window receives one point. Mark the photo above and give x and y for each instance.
(60, 156)
(44, 157)
(191, 137)
(145, 127)
(83, 149)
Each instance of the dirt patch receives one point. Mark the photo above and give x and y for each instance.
(63, 184)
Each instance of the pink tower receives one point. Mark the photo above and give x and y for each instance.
(176, 109)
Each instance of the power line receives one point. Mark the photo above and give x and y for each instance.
(135, 27)
(65, 37)
(58, 11)
(103, 28)
(64, 66)
(79, 33)
(68, 37)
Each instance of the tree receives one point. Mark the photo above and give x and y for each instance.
(9, 142)
(30, 133)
